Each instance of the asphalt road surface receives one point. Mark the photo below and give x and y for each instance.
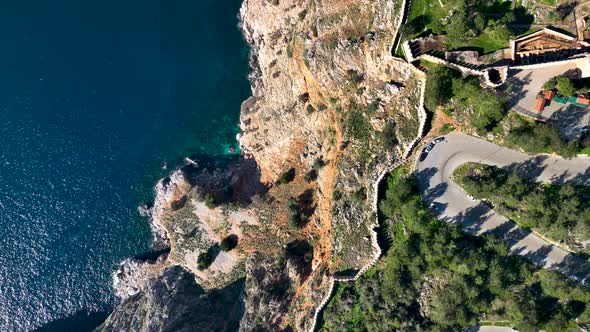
(452, 204)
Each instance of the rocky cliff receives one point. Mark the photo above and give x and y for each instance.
(330, 110)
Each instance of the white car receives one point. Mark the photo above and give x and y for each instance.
(471, 197)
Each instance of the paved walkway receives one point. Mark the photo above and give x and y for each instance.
(453, 205)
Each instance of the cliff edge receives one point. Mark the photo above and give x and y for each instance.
(331, 110)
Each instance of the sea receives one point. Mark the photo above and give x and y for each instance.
(98, 100)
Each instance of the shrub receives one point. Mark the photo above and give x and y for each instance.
(439, 87)
(287, 177)
(310, 176)
(318, 163)
(297, 217)
(210, 201)
(540, 138)
(229, 243)
(565, 86)
(304, 98)
(388, 137)
(336, 195)
(310, 109)
(360, 195)
(204, 260)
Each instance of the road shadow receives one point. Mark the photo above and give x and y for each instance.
(433, 193)
(577, 179)
(569, 120)
(424, 176)
(529, 169)
(472, 219)
(516, 87)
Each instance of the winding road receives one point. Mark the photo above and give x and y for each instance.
(453, 205)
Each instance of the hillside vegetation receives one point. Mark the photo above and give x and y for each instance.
(435, 277)
(555, 210)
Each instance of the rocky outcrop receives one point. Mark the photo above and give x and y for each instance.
(331, 105)
(172, 301)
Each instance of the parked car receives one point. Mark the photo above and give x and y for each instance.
(429, 147)
(436, 206)
(471, 197)
(438, 140)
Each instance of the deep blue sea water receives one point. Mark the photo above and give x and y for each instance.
(95, 96)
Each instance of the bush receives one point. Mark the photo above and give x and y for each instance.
(229, 243)
(318, 163)
(565, 86)
(537, 138)
(210, 201)
(336, 195)
(310, 109)
(297, 217)
(287, 177)
(204, 260)
(360, 195)
(388, 137)
(310, 176)
(439, 87)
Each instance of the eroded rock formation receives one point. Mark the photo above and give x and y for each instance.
(329, 105)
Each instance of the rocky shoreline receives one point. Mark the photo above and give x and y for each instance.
(317, 71)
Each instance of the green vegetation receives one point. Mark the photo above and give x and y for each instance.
(447, 128)
(311, 176)
(436, 278)
(565, 86)
(484, 110)
(535, 138)
(204, 260)
(297, 216)
(229, 242)
(484, 24)
(439, 87)
(464, 99)
(287, 177)
(360, 195)
(556, 211)
(360, 132)
(388, 138)
(210, 201)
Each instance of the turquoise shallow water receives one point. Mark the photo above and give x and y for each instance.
(94, 98)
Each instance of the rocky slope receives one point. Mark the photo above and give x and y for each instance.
(330, 107)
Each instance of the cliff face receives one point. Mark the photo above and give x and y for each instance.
(332, 109)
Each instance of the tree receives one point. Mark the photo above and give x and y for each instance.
(482, 108)
(439, 87)
(550, 84)
(297, 217)
(229, 242)
(287, 177)
(210, 201)
(204, 260)
(565, 86)
(311, 175)
(457, 30)
(388, 137)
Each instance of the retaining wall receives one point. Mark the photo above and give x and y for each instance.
(408, 152)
